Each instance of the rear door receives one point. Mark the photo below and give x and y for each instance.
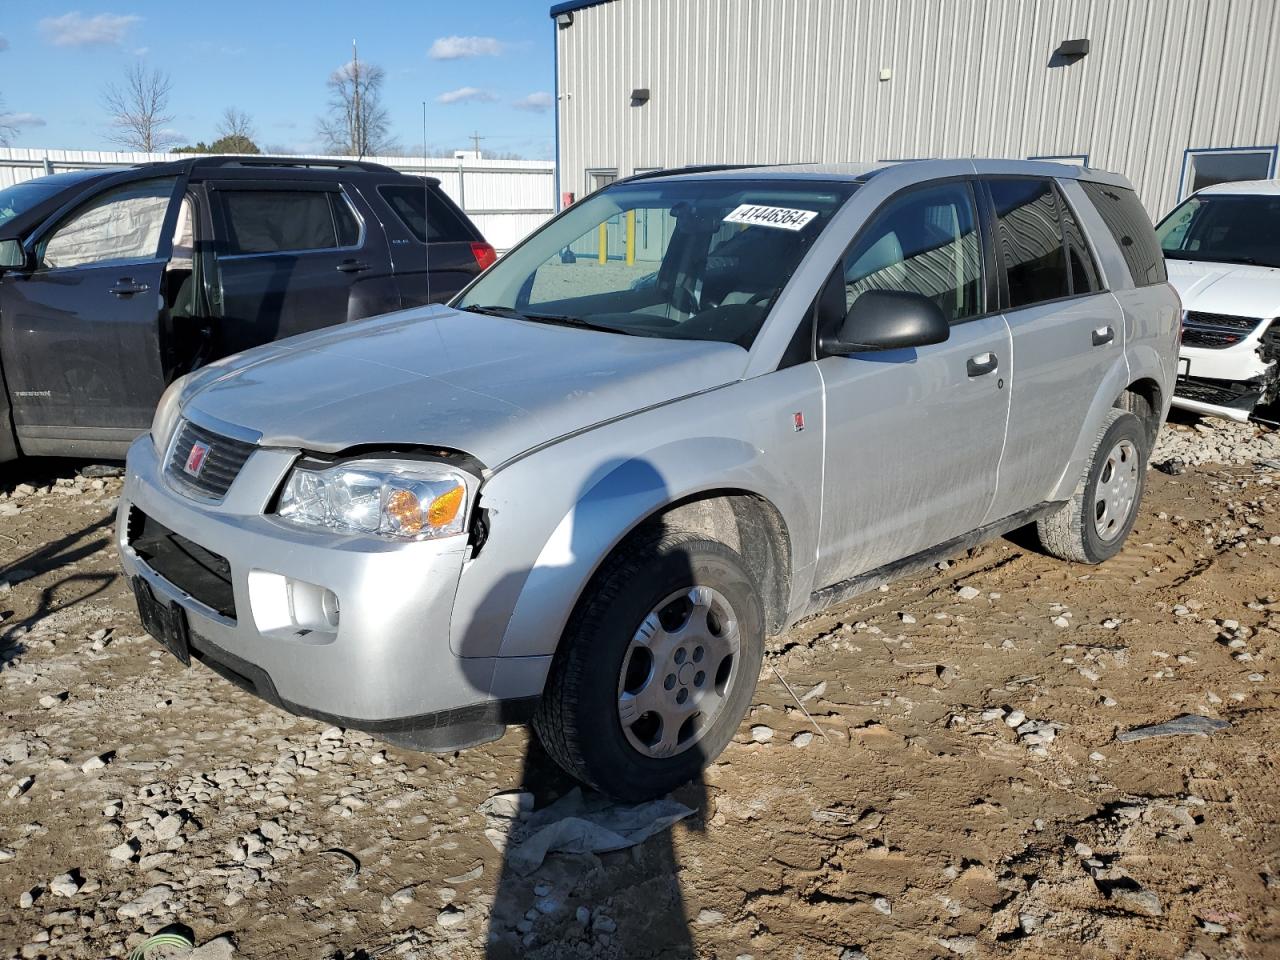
(287, 256)
(914, 436)
(80, 341)
(432, 241)
(1067, 333)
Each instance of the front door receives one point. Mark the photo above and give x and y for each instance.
(288, 256)
(914, 436)
(80, 333)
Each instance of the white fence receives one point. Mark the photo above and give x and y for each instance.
(506, 199)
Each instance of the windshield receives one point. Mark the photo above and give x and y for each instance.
(1224, 228)
(21, 197)
(678, 259)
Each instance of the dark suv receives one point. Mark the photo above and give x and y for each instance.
(115, 282)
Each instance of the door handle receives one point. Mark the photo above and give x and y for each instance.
(1103, 335)
(982, 364)
(353, 266)
(126, 287)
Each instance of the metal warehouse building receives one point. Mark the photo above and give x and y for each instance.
(1175, 94)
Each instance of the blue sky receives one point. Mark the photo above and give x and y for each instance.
(482, 66)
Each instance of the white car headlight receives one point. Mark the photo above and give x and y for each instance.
(396, 499)
(166, 415)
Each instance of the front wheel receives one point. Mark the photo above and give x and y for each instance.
(1093, 525)
(657, 666)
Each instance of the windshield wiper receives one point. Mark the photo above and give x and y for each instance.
(1248, 261)
(495, 310)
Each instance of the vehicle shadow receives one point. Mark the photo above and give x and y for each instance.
(622, 903)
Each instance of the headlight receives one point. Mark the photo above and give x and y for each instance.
(166, 415)
(399, 500)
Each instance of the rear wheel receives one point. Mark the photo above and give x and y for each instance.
(657, 666)
(1092, 527)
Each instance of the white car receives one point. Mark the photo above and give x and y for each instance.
(1222, 245)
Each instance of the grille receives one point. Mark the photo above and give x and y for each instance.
(1224, 320)
(1221, 393)
(1216, 331)
(197, 572)
(1213, 339)
(221, 464)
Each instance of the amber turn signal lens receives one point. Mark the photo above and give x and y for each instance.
(445, 507)
(406, 510)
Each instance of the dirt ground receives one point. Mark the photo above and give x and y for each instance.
(966, 795)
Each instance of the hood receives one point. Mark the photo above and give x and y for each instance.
(487, 386)
(1237, 289)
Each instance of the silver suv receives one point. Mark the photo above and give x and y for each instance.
(691, 410)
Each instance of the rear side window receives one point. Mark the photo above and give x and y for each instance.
(287, 221)
(440, 224)
(1130, 226)
(1084, 272)
(1031, 241)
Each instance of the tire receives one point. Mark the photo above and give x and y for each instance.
(1093, 525)
(618, 654)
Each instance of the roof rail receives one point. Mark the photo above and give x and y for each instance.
(693, 168)
(308, 163)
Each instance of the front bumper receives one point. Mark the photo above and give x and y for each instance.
(385, 667)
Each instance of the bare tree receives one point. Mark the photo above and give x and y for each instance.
(357, 124)
(139, 109)
(7, 130)
(235, 133)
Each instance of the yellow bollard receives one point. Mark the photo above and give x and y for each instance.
(604, 242)
(631, 238)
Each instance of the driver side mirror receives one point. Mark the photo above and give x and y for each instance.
(13, 256)
(888, 320)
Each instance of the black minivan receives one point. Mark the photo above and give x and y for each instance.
(113, 282)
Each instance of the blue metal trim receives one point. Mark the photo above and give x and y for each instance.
(1259, 148)
(568, 6)
(555, 86)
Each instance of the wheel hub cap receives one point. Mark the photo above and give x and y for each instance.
(1116, 491)
(678, 671)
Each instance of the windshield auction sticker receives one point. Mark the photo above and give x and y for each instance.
(780, 218)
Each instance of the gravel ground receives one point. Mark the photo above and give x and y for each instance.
(960, 789)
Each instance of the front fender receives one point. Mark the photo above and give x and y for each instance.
(555, 515)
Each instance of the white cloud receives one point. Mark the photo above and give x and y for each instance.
(4, 44)
(539, 102)
(466, 95)
(455, 48)
(77, 30)
(21, 120)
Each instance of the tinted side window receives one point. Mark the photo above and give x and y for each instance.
(441, 222)
(1084, 272)
(923, 241)
(116, 226)
(1030, 240)
(1130, 226)
(275, 221)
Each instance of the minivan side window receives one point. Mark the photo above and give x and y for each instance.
(117, 226)
(1084, 272)
(411, 202)
(1131, 228)
(287, 221)
(1031, 241)
(922, 241)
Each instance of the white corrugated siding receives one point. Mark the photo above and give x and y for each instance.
(767, 81)
(506, 199)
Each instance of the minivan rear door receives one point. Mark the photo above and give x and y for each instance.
(80, 338)
(288, 256)
(433, 244)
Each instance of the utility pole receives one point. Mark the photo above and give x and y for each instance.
(357, 130)
(475, 142)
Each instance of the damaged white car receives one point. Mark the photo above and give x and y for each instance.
(1223, 250)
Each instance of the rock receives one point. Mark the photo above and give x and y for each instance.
(706, 917)
(958, 945)
(995, 713)
(94, 763)
(1189, 724)
(583, 916)
(150, 901)
(817, 691)
(1014, 719)
(761, 734)
(403, 896)
(26, 901)
(124, 851)
(603, 924)
(169, 827)
(65, 885)
(220, 948)
(906, 618)
(968, 593)
(852, 953)
(1142, 902)
(882, 905)
(450, 917)
(6, 854)
(548, 905)
(802, 739)
(21, 787)
(1061, 622)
